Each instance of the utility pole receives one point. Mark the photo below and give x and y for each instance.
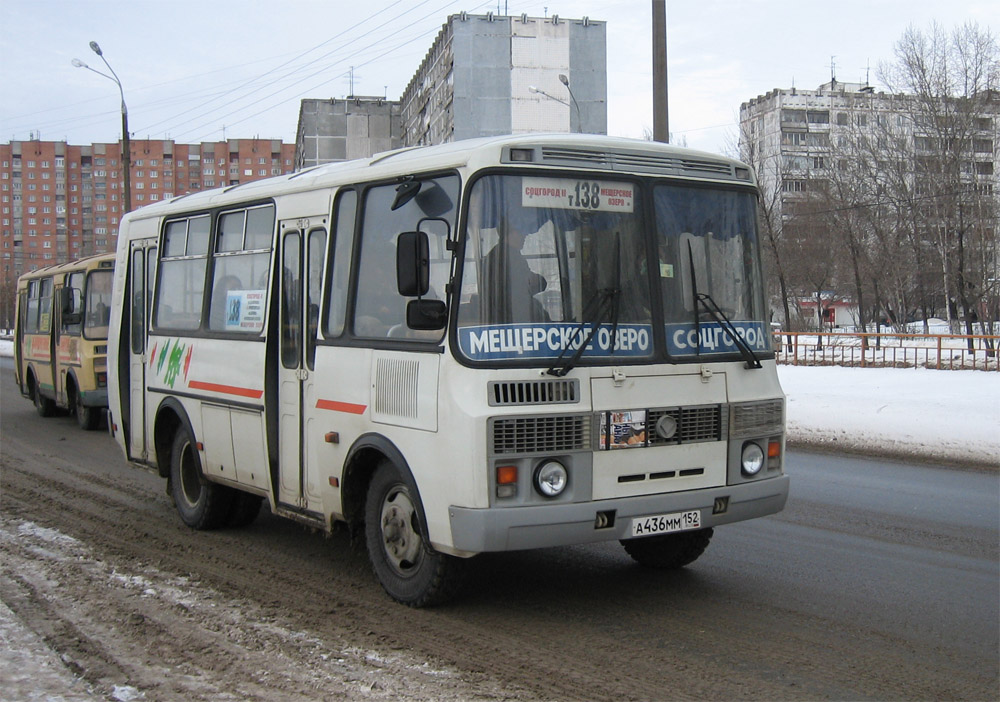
(661, 117)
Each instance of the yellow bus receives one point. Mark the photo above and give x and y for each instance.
(61, 337)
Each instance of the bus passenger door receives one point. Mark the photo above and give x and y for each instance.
(301, 276)
(142, 265)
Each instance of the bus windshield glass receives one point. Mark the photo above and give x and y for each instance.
(708, 264)
(553, 264)
(557, 271)
(97, 305)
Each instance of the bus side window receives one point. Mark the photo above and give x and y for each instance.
(182, 274)
(344, 212)
(240, 266)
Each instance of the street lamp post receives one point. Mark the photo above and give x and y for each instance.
(565, 81)
(126, 146)
(539, 91)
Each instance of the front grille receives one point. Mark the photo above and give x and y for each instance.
(533, 392)
(694, 424)
(542, 434)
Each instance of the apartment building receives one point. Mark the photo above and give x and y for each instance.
(341, 129)
(797, 138)
(60, 201)
(491, 74)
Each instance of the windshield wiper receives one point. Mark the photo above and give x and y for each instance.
(720, 317)
(604, 303)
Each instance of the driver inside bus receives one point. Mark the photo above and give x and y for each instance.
(508, 281)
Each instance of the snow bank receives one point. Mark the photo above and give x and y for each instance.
(940, 415)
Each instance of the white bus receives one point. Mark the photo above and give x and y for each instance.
(489, 345)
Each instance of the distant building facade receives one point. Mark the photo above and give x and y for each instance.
(797, 138)
(487, 75)
(60, 202)
(484, 75)
(345, 128)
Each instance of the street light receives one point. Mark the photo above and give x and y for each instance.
(565, 81)
(126, 147)
(533, 89)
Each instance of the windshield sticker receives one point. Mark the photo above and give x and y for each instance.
(685, 339)
(572, 194)
(521, 341)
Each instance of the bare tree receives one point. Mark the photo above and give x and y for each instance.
(949, 85)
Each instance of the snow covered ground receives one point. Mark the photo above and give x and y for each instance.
(937, 415)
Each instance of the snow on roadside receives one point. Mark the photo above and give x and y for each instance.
(938, 415)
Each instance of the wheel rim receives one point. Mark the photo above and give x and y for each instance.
(400, 532)
(190, 479)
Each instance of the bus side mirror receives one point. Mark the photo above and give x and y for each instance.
(412, 264)
(426, 315)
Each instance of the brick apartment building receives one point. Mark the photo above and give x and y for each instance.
(60, 202)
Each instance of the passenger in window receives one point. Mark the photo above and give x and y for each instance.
(508, 280)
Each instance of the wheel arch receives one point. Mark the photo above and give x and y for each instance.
(170, 415)
(363, 458)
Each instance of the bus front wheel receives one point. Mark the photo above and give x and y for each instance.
(668, 550)
(201, 504)
(410, 571)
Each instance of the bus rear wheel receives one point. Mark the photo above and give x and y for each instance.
(43, 405)
(668, 551)
(86, 417)
(410, 571)
(201, 504)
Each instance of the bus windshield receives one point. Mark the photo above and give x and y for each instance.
(708, 264)
(557, 270)
(97, 305)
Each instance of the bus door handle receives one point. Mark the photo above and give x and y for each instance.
(301, 374)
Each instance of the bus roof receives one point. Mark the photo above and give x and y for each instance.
(68, 267)
(587, 151)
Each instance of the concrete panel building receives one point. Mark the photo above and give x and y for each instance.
(487, 75)
(347, 128)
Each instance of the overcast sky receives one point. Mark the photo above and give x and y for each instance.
(204, 70)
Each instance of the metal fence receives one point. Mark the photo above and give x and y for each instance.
(888, 350)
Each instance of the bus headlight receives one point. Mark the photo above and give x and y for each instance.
(752, 459)
(551, 478)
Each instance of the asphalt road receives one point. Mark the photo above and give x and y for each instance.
(880, 580)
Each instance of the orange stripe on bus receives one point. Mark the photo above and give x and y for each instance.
(226, 389)
(347, 407)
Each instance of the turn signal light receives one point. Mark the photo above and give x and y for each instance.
(506, 475)
(774, 449)
(506, 481)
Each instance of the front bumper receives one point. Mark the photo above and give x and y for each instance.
(539, 526)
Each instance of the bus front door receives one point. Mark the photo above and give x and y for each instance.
(142, 265)
(301, 274)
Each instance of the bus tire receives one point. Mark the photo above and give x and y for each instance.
(409, 570)
(668, 551)
(86, 417)
(244, 510)
(43, 405)
(201, 504)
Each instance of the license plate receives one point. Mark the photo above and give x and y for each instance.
(665, 523)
